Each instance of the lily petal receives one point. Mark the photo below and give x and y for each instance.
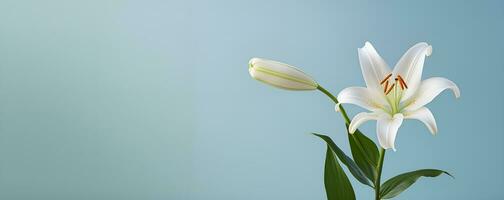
(360, 118)
(362, 97)
(386, 129)
(424, 115)
(410, 67)
(374, 68)
(428, 90)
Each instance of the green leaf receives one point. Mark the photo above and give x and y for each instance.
(352, 167)
(396, 185)
(337, 185)
(365, 153)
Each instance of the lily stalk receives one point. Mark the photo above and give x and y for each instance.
(379, 167)
(338, 105)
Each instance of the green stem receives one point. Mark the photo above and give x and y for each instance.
(332, 97)
(378, 174)
(382, 150)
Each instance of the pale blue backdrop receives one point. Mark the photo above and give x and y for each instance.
(152, 99)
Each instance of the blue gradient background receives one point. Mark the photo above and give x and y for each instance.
(152, 99)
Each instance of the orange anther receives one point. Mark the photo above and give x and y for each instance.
(390, 89)
(402, 81)
(385, 79)
(401, 84)
(386, 86)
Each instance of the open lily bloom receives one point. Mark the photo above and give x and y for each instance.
(394, 95)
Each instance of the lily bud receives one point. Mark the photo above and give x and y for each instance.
(280, 75)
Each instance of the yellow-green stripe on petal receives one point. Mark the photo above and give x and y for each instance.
(280, 75)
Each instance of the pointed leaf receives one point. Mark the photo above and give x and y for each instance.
(398, 184)
(337, 185)
(365, 153)
(352, 167)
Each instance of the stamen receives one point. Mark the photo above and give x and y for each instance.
(386, 78)
(402, 81)
(401, 84)
(386, 86)
(390, 89)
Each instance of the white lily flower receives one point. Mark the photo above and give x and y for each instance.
(280, 75)
(394, 95)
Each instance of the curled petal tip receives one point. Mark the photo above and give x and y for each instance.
(351, 130)
(456, 91)
(434, 129)
(428, 51)
(336, 107)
